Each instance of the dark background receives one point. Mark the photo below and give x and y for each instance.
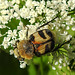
(10, 66)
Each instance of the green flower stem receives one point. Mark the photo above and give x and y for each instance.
(41, 66)
(71, 12)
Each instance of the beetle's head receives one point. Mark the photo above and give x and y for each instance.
(25, 49)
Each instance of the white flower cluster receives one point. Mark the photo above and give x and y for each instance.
(60, 63)
(7, 40)
(37, 13)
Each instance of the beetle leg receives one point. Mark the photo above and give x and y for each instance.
(46, 23)
(17, 41)
(20, 59)
(15, 45)
(59, 46)
(27, 32)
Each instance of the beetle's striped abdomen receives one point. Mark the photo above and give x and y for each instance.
(43, 41)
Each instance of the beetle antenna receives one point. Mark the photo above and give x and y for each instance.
(59, 46)
(46, 23)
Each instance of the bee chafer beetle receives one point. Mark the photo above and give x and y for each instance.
(39, 43)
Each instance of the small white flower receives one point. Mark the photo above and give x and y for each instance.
(24, 12)
(35, 3)
(68, 63)
(10, 13)
(18, 1)
(22, 34)
(33, 13)
(67, 28)
(69, 20)
(72, 21)
(5, 46)
(71, 4)
(53, 68)
(65, 33)
(42, 4)
(19, 27)
(29, 3)
(60, 60)
(18, 18)
(48, 62)
(64, 13)
(15, 56)
(16, 7)
(68, 37)
(48, 18)
(2, 26)
(21, 23)
(32, 20)
(15, 14)
(57, 28)
(57, 73)
(5, 42)
(12, 42)
(4, 5)
(59, 66)
(12, 2)
(12, 34)
(11, 52)
(38, 10)
(64, 64)
(56, 63)
(3, 12)
(48, 3)
(6, 38)
(73, 28)
(9, 32)
(5, 19)
(23, 64)
(63, 25)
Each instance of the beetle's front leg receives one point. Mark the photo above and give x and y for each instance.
(60, 45)
(26, 31)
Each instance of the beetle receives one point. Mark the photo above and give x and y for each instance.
(39, 43)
